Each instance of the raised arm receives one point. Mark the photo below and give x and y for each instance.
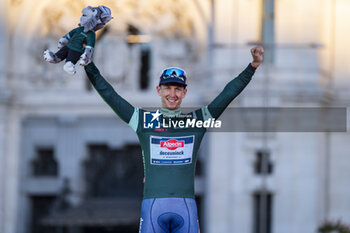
(119, 105)
(234, 87)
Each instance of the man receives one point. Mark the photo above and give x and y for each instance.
(169, 151)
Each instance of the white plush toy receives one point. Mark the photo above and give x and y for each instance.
(78, 44)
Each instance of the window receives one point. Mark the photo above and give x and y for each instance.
(135, 38)
(114, 172)
(145, 58)
(40, 208)
(262, 212)
(263, 165)
(45, 163)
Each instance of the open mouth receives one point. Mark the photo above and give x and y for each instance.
(171, 100)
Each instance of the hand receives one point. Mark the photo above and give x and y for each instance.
(62, 42)
(257, 54)
(84, 60)
(86, 57)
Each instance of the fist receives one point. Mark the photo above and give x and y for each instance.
(257, 54)
(84, 60)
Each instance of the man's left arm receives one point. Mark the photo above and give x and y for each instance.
(234, 87)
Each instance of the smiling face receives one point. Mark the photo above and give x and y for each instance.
(171, 95)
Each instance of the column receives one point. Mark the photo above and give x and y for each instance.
(3, 45)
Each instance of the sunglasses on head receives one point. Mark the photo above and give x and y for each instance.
(174, 73)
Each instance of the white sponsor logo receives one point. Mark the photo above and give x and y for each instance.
(171, 150)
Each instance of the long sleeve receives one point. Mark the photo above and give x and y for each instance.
(119, 105)
(231, 91)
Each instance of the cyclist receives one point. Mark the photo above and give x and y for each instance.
(169, 151)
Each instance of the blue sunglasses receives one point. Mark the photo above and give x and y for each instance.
(174, 73)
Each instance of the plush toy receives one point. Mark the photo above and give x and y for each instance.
(78, 44)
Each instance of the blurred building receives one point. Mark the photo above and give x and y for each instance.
(68, 164)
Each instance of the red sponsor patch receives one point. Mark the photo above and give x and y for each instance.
(172, 144)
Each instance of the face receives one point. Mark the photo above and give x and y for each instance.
(87, 13)
(171, 95)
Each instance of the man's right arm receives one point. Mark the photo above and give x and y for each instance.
(234, 87)
(119, 105)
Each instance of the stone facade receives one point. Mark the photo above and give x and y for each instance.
(41, 106)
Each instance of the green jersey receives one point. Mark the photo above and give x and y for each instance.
(77, 37)
(169, 151)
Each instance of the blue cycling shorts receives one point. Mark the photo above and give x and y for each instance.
(169, 215)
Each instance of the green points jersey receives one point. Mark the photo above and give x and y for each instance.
(169, 151)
